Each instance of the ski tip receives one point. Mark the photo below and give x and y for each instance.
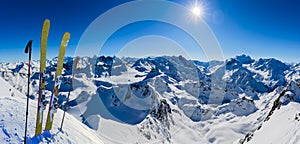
(65, 40)
(46, 27)
(67, 34)
(47, 21)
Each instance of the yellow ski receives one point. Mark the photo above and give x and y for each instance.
(57, 80)
(41, 97)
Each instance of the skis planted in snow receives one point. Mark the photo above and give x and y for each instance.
(41, 96)
(57, 81)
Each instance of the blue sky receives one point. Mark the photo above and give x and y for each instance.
(259, 28)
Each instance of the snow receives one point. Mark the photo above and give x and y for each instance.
(156, 99)
(12, 122)
(282, 128)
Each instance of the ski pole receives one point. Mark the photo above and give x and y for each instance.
(28, 50)
(65, 108)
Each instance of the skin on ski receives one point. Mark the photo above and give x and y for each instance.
(44, 38)
(58, 73)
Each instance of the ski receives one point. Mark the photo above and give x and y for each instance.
(75, 63)
(41, 95)
(57, 81)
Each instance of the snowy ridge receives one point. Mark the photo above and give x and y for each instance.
(161, 99)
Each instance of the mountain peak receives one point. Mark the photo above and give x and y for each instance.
(244, 59)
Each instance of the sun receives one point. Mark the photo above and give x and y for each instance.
(197, 9)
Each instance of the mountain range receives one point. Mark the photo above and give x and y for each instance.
(171, 99)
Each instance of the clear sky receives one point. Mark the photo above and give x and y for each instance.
(259, 28)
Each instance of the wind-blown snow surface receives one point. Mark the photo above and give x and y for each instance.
(12, 122)
(168, 99)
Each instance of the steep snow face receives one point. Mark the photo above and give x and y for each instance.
(12, 122)
(155, 99)
(282, 128)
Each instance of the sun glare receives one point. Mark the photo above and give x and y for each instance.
(197, 9)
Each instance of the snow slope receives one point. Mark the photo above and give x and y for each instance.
(282, 128)
(12, 122)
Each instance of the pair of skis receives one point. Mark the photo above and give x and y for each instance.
(57, 80)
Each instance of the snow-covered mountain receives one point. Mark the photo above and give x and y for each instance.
(170, 99)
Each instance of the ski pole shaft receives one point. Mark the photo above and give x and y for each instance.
(28, 50)
(65, 108)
